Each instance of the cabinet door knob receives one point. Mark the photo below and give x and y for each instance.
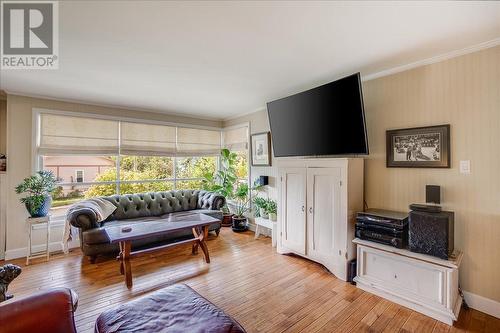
(395, 276)
(303, 208)
(310, 210)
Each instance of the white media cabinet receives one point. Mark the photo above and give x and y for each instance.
(420, 282)
(319, 198)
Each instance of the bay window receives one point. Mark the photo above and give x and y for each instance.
(94, 157)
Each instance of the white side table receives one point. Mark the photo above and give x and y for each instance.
(262, 222)
(32, 222)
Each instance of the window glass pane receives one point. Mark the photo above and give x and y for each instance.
(91, 168)
(132, 188)
(189, 185)
(65, 195)
(195, 167)
(242, 164)
(146, 167)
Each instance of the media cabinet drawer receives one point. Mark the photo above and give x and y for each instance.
(403, 276)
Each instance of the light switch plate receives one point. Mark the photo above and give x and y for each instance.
(465, 167)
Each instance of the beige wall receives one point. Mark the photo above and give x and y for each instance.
(19, 150)
(463, 92)
(3, 126)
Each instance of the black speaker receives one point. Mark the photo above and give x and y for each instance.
(351, 270)
(431, 233)
(262, 180)
(433, 194)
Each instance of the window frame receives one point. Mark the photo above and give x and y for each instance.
(76, 176)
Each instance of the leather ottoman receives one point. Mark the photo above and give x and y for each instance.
(177, 308)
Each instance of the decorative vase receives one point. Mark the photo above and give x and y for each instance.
(227, 220)
(43, 210)
(240, 223)
(273, 217)
(263, 213)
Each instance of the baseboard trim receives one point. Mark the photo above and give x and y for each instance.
(482, 304)
(53, 247)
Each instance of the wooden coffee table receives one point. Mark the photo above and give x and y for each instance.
(198, 223)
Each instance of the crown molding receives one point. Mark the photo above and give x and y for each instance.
(432, 60)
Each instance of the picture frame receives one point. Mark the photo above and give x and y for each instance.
(261, 149)
(418, 147)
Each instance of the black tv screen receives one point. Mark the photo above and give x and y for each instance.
(326, 120)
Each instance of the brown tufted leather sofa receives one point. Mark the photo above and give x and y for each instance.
(143, 208)
(49, 311)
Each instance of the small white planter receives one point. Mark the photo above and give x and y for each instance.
(273, 217)
(263, 213)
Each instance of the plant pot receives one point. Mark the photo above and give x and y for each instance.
(227, 220)
(240, 224)
(43, 210)
(273, 217)
(263, 213)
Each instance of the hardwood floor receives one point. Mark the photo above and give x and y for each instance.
(264, 291)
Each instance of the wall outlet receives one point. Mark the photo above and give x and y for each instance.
(465, 167)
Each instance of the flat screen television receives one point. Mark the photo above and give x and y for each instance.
(326, 120)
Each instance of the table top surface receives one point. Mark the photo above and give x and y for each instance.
(161, 226)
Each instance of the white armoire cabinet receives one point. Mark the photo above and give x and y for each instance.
(319, 199)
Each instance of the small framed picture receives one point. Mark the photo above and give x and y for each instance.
(420, 147)
(261, 149)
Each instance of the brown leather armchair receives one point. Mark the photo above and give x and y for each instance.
(50, 311)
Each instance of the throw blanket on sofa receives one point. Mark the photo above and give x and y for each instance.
(101, 207)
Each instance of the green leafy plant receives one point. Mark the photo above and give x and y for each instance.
(259, 203)
(225, 179)
(271, 206)
(38, 187)
(242, 200)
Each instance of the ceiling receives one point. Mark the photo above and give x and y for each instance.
(218, 60)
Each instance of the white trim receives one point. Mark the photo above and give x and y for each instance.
(53, 247)
(482, 304)
(432, 60)
(262, 108)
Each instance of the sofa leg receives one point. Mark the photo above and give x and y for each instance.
(92, 259)
(217, 231)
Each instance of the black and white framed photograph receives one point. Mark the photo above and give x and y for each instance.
(419, 147)
(261, 149)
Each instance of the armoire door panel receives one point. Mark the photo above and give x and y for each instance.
(323, 196)
(294, 231)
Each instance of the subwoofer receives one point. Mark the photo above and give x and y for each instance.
(431, 233)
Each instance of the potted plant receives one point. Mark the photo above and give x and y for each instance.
(272, 209)
(38, 188)
(259, 204)
(223, 181)
(242, 203)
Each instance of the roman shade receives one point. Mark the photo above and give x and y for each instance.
(61, 134)
(236, 138)
(147, 139)
(197, 142)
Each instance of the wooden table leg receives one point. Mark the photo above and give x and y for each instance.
(126, 263)
(203, 244)
(120, 258)
(196, 234)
